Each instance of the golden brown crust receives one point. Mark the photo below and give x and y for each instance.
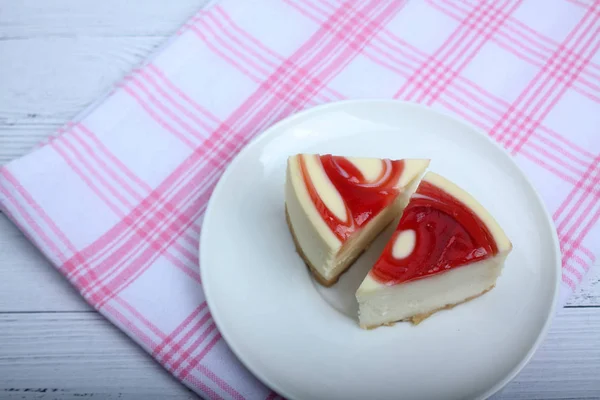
(316, 274)
(417, 319)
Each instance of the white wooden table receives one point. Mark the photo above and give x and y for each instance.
(57, 56)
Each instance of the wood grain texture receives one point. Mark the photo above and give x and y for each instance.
(68, 355)
(588, 292)
(64, 54)
(28, 282)
(41, 95)
(24, 19)
(76, 355)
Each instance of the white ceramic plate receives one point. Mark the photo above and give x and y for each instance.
(303, 340)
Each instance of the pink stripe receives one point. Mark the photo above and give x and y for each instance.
(191, 257)
(588, 253)
(195, 382)
(577, 243)
(154, 249)
(230, 60)
(178, 347)
(561, 84)
(192, 238)
(523, 33)
(482, 33)
(220, 382)
(253, 41)
(318, 53)
(271, 396)
(569, 282)
(148, 227)
(574, 271)
(507, 45)
(160, 106)
(479, 101)
(586, 266)
(98, 145)
(196, 360)
(540, 59)
(559, 173)
(245, 35)
(429, 66)
(84, 177)
(140, 317)
(337, 58)
(177, 105)
(503, 129)
(153, 199)
(557, 148)
(218, 37)
(576, 190)
(132, 329)
(192, 273)
(579, 3)
(566, 142)
(183, 267)
(94, 172)
(217, 50)
(532, 91)
(367, 53)
(431, 73)
(168, 340)
(152, 202)
(157, 118)
(298, 76)
(554, 158)
(476, 100)
(38, 210)
(186, 355)
(36, 232)
(134, 268)
(161, 75)
(468, 106)
(594, 201)
(128, 222)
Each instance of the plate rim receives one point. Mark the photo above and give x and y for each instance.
(401, 103)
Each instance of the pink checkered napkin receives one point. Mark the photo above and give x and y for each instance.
(116, 200)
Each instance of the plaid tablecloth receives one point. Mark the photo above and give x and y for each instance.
(116, 199)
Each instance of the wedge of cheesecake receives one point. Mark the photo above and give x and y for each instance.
(336, 206)
(446, 250)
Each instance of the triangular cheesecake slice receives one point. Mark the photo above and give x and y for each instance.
(446, 250)
(336, 206)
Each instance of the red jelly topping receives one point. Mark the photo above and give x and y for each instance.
(448, 235)
(363, 199)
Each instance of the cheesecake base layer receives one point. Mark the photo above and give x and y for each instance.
(417, 319)
(312, 269)
(416, 300)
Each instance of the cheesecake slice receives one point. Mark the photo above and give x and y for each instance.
(336, 206)
(446, 250)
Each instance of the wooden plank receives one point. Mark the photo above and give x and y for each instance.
(588, 293)
(27, 280)
(50, 80)
(70, 355)
(34, 18)
(57, 77)
(566, 365)
(76, 355)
